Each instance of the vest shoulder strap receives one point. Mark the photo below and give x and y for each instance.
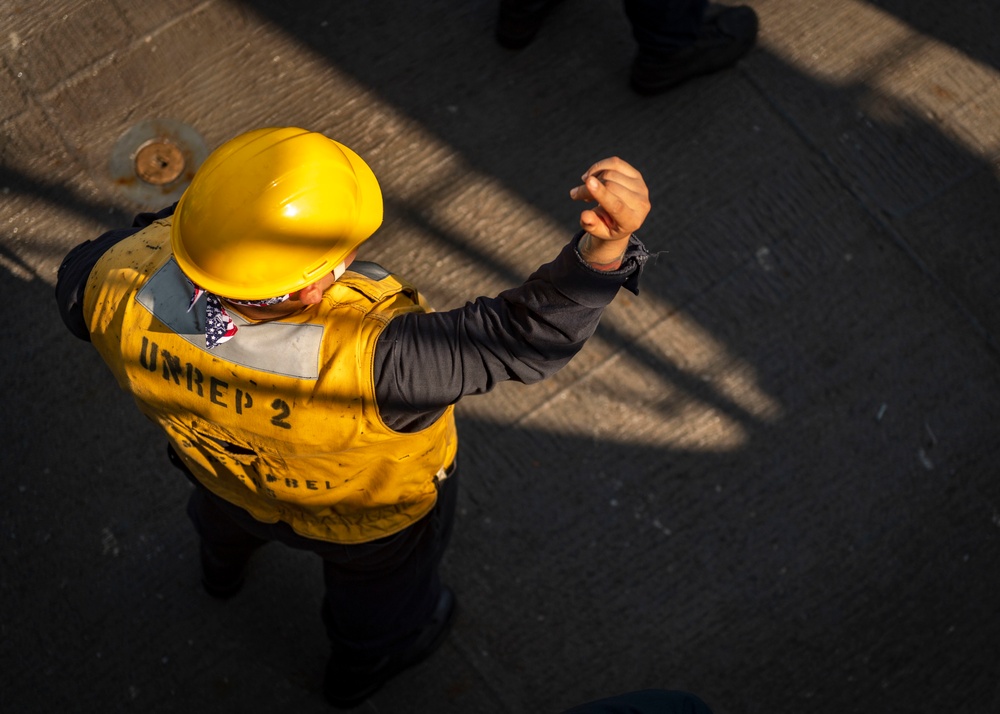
(375, 282)
(369, 269)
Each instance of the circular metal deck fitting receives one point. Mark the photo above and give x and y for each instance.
(159, 162)
(154, 161)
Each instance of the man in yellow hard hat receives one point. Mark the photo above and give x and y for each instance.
(308, 396)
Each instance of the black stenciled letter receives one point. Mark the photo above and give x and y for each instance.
(281, 406)
(217, 390)
(152, 347)
(240, 404)
(171, 367)
(195, 379)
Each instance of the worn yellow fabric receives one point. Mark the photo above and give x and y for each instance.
(311, 450)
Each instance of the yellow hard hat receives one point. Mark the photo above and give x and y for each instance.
(272, 211)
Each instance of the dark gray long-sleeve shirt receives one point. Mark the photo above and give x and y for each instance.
(425, 362)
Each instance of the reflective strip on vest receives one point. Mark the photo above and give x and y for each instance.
(291, 350)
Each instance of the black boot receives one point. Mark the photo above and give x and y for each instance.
(726, 35)
(518, 21)
(349, 682)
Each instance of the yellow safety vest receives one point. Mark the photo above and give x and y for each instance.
(282, 419)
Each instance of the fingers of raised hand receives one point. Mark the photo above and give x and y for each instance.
(612, 164)
(625, 205)
(607, 170)
(621, 193)
(591, 223)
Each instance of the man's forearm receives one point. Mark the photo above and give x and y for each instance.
(423, 362)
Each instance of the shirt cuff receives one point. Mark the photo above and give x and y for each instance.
(629, 272)
(574, 278)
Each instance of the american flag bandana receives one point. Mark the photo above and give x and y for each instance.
(219, 326)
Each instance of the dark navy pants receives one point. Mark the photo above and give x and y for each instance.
(656, 24)
(665, 24)
(378, 594)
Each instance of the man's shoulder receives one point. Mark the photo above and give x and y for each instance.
(371, 283)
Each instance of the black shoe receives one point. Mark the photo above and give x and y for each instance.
(518, 21)
(347, 684)
(221, 579)
(727, 34)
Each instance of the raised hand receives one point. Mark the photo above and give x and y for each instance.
(622, 205)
